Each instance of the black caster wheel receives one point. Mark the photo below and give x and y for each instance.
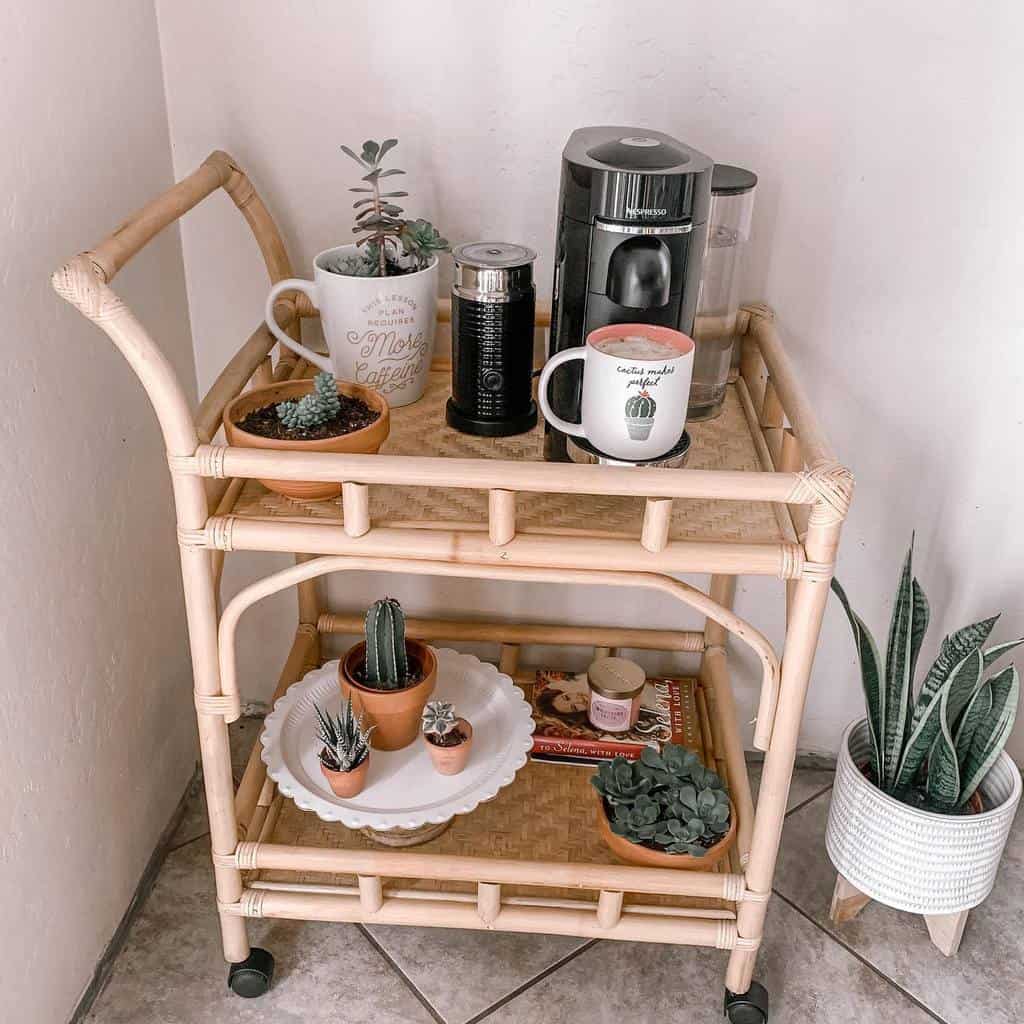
(749, 1008)
(252, 977)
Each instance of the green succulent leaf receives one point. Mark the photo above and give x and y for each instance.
(358, 159)
(954, 649)
(943, 783)
(975, 713)
(385, 146)
(997, 651)
(899, 658)
(992, 732)
(371, 150)
(871, 677)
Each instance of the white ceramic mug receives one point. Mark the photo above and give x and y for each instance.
(632, 409)
(379, 330)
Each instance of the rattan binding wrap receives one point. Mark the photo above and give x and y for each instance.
(548, 814)
(420, 429)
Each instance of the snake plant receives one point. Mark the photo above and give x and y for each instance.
(944, 742)
(667, 800)
(387, 664)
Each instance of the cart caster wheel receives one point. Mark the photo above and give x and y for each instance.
(252, 977)
(749, 1008)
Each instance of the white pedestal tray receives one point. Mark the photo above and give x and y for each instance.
(403, 791)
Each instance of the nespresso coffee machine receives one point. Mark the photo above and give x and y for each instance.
(632, 227)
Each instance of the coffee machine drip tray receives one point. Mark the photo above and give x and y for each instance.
(582, 451)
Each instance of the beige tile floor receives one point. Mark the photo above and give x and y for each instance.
(879, 969)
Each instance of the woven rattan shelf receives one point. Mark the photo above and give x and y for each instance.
(420, 430)
(763, 493)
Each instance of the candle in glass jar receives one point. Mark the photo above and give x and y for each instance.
(616, 686)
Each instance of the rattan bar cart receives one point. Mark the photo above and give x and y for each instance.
(763, 494)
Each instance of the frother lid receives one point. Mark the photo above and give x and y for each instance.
(493, 255)
(727, 180)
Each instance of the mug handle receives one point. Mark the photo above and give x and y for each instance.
(296, 284)
(576, 352)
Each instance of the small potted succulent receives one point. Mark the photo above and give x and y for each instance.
(389, 677)
(447, 737)
(664, 810)
(925, 795)
(322, 415)
(345, 754)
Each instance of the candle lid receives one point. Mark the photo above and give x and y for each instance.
(616, 678)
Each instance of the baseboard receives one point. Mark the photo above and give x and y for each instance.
(105, 963)
(815, 762)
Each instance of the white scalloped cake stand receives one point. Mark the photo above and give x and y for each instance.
(403, 791)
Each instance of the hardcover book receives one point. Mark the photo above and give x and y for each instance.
(560, 700)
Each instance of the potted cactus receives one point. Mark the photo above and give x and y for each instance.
(345, 754)
(924, 794)
(322, 415)
(447, 737)
(664, 810)
(389, 677)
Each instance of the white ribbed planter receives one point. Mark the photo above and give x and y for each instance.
(915, 860)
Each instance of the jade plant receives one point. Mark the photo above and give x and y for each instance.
(320, 406)
(346, 744)
(390, 244)
(667, 801)
(387, 663)
(934, 751)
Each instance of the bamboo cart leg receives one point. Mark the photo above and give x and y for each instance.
(808, 607)
(724, 722)
(215, 751)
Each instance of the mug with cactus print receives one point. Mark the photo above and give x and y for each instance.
(636, 385)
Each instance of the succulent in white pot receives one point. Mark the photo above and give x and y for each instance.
(924, 795)
(377, 297)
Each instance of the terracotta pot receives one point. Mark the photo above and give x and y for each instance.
(365, 441)
(395, 713)
(346, 784)
(633, 853)
(451, 760)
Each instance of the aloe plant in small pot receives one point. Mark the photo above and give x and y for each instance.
(665, 810)
(345, 754)
(389, 677)
(320, 415)
(447, 737)
(924, 794)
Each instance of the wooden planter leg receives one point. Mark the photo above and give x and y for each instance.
(809, 599)
(847, 901)
(946, 930)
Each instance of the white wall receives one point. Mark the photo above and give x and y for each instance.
(95, 711)
(886, 232)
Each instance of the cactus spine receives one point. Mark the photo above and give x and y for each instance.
(640, 406)
(387, 665)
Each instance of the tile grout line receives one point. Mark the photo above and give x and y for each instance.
(393, 964)
(530, 982)
(803, 803)
(860, 957)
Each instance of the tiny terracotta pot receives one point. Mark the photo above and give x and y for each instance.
(644, 856)
(451, 760)
(395, 713)
(346, 784)
(366, 441)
